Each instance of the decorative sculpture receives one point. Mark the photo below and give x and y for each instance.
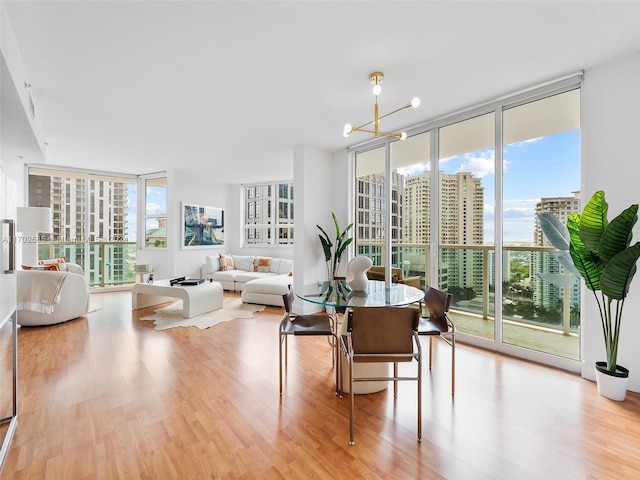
(357, 273)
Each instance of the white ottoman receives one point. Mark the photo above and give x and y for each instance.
(267, 290)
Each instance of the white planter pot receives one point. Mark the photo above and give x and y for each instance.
(612, 385)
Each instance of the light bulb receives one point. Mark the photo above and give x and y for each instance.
(415, 103)
(347, 130)
(403, 136)
(377, 89)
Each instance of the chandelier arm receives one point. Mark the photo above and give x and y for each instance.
(395, 111)
(386, 134)
(379, 118)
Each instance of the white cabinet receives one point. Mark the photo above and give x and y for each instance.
(8, 324)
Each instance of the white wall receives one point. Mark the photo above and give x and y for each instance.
(314, 192)
(185, 186)
(610, 144)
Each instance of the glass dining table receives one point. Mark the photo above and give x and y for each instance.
(337, 294)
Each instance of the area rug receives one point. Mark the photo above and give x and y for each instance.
(232, 308)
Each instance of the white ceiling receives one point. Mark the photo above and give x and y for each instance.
(228, 88)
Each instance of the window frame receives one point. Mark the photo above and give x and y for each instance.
(143, 216)
(263, 202)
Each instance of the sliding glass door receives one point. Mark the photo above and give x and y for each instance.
(460, 214)
(541, 158)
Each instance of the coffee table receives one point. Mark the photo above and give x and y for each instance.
(196, 299)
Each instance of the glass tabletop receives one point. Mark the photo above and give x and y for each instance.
(336, 293)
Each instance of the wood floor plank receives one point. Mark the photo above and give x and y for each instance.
(108, 397)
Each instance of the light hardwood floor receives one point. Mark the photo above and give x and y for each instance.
(108, 397)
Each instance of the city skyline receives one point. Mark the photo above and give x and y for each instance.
(557, 175)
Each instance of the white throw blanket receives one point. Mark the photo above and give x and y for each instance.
(41, 292)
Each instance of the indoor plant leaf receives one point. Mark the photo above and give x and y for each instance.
(564, 259)
(586, 262)
(617, 236)
(593, 221)
(554, 230)
(619, 272)
(559, 279)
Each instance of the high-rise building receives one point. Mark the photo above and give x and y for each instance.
(107, 221)
(371, 214)
(461, 223)
(547, 294)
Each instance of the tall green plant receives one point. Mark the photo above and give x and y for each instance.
(602, 254)
(333, 251)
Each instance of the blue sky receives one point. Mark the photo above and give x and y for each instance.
(156, 203)
(542, 167)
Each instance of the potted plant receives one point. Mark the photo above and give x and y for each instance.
(333, 252)
(603, 255)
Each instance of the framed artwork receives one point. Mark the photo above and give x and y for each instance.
(202, 227)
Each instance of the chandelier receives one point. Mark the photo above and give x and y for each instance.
(376, 78)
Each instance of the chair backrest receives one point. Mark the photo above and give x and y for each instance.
(382, 330)
(377, 272)
(287, 300)
(438, 303)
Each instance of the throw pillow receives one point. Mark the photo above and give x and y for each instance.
(58, 264)
(243, 262)
(226, 263)
(261, 264)
(213, 263)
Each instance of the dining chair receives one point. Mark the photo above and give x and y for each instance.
(382, 335)
(439, 324)
(317, 324)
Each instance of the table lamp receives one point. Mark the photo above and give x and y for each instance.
(30, 222)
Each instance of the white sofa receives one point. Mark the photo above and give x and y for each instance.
(49, 297)
(264, 287)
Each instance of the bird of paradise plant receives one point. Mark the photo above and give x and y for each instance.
(333, 252)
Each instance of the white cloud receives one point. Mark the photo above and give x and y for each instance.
(480, 164)
(413, 170)
(154, 208)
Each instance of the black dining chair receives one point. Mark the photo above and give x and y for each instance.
(439, 324)
(382, 335)
(317, 324)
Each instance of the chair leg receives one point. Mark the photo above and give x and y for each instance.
(419, 399)
(280, 360)
(286, 352)
(336, 366)
(453, 365)
(430, 351)
(395, 382)
(351, 404)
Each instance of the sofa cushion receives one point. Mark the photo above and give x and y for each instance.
(226, 263)
(213, 263)
(225, 275)
(273, 285)
(274, 265)
(261, 264)
(243, 262)
(243, 276)
(286, 266)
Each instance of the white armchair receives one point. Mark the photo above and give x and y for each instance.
(50, 297)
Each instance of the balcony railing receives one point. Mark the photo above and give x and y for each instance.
(468, 272)
(110, 263)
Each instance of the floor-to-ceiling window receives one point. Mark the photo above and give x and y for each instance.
(541, 158)
(91, 218)
(466, 203)
(472, 183)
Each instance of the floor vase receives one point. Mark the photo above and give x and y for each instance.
(612, 385)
